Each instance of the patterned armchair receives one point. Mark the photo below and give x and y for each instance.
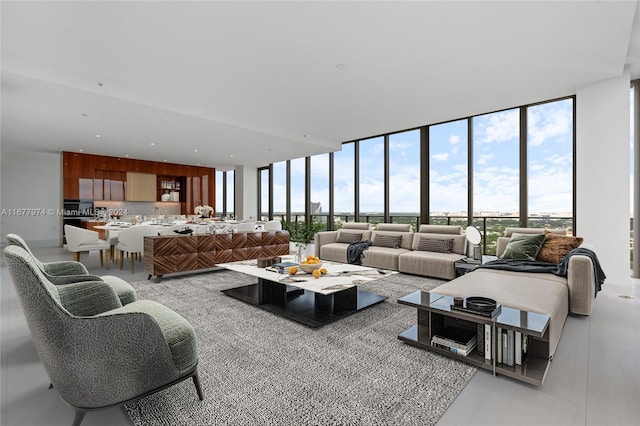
(97, 352)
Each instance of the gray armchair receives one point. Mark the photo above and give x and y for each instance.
(70, 271)
(97, 352)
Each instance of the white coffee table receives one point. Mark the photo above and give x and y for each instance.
(303, 298)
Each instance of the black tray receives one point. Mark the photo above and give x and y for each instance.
(489, 314)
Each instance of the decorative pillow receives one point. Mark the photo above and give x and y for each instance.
(436, 245)
(523, 246)
(391, 241)
(556, 247)
(348, 237)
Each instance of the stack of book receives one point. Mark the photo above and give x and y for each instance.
(457, 340)
(511, 347)
(281, 267)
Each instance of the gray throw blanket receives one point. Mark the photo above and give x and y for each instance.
(356, 250)
(561, 269)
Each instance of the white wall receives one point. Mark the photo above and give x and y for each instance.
(246, 192)
(602, 168)
(31, 180)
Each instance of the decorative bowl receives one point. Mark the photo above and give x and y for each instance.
(309, 267)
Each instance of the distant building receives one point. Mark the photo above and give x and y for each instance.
(316, 208)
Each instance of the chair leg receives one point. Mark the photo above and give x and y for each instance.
(50, 385)
(132, 263)
(196, 382)
(78, 418)
(76, 256)
(101, 259)
(121, 259)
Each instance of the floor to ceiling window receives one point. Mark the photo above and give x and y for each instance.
(344, 184)
(265, 193)
(230, 192)
(297, 189)
(448, 173)
(496, 173)
(279, 191)
(319, 180)
(404, 177)
(219, 193)
(550, 165)
(371, 179)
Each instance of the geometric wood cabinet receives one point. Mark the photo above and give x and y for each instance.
(168, 254)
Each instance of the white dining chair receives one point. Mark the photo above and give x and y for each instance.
(131, 241)
(246, 227)
(272, 225)
(80, 239)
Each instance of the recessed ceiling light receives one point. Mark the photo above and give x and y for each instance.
(195, 150)
(126, 155)
(231, 155)
(165, 160)
(152, 143)
(81, 150)
(340, 66)
(97, 136)
(197, 164)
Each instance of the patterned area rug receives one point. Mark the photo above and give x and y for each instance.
(260, 369)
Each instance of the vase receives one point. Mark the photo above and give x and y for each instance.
(300, 254)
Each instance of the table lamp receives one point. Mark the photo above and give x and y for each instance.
(475, 237)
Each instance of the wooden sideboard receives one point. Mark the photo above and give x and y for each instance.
(167, 254)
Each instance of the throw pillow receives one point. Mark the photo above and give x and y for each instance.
(556, 247)
(391, 241)
(348, 237)
(523, 246)
(435, 245)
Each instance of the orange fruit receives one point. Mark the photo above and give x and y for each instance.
(316, 273)
(323, 271)
(293, 270)
(309, 257)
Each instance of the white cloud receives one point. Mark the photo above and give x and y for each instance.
(497, 127)
(441, 157)
(454, 139)
(484, 158)
(549, 121)
(454, 150)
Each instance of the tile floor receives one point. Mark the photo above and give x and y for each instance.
(594, 378)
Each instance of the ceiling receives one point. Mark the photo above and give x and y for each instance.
(248, 83)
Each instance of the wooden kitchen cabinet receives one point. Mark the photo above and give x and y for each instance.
(141, 186)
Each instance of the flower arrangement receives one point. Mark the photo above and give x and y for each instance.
(203, 211)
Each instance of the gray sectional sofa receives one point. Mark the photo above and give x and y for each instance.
(544, 293)
(409, 256)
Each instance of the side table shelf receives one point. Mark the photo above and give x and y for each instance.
(434, 313)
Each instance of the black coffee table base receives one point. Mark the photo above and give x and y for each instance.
(304, 306)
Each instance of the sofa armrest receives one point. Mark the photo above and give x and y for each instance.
(582, 284)
(322, 238)
(70, 279)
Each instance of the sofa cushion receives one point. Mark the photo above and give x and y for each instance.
(348, 237)
(523, 246)
(407, 237)
(390, 241)
(429, 264)
(382, 257)
(508, 232)
(556, 247)
(334, 252)
(397, 227)
(459, 241)
(441, 229)
(435, 245)
(356, 225)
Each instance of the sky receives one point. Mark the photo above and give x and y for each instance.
(496, 169)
